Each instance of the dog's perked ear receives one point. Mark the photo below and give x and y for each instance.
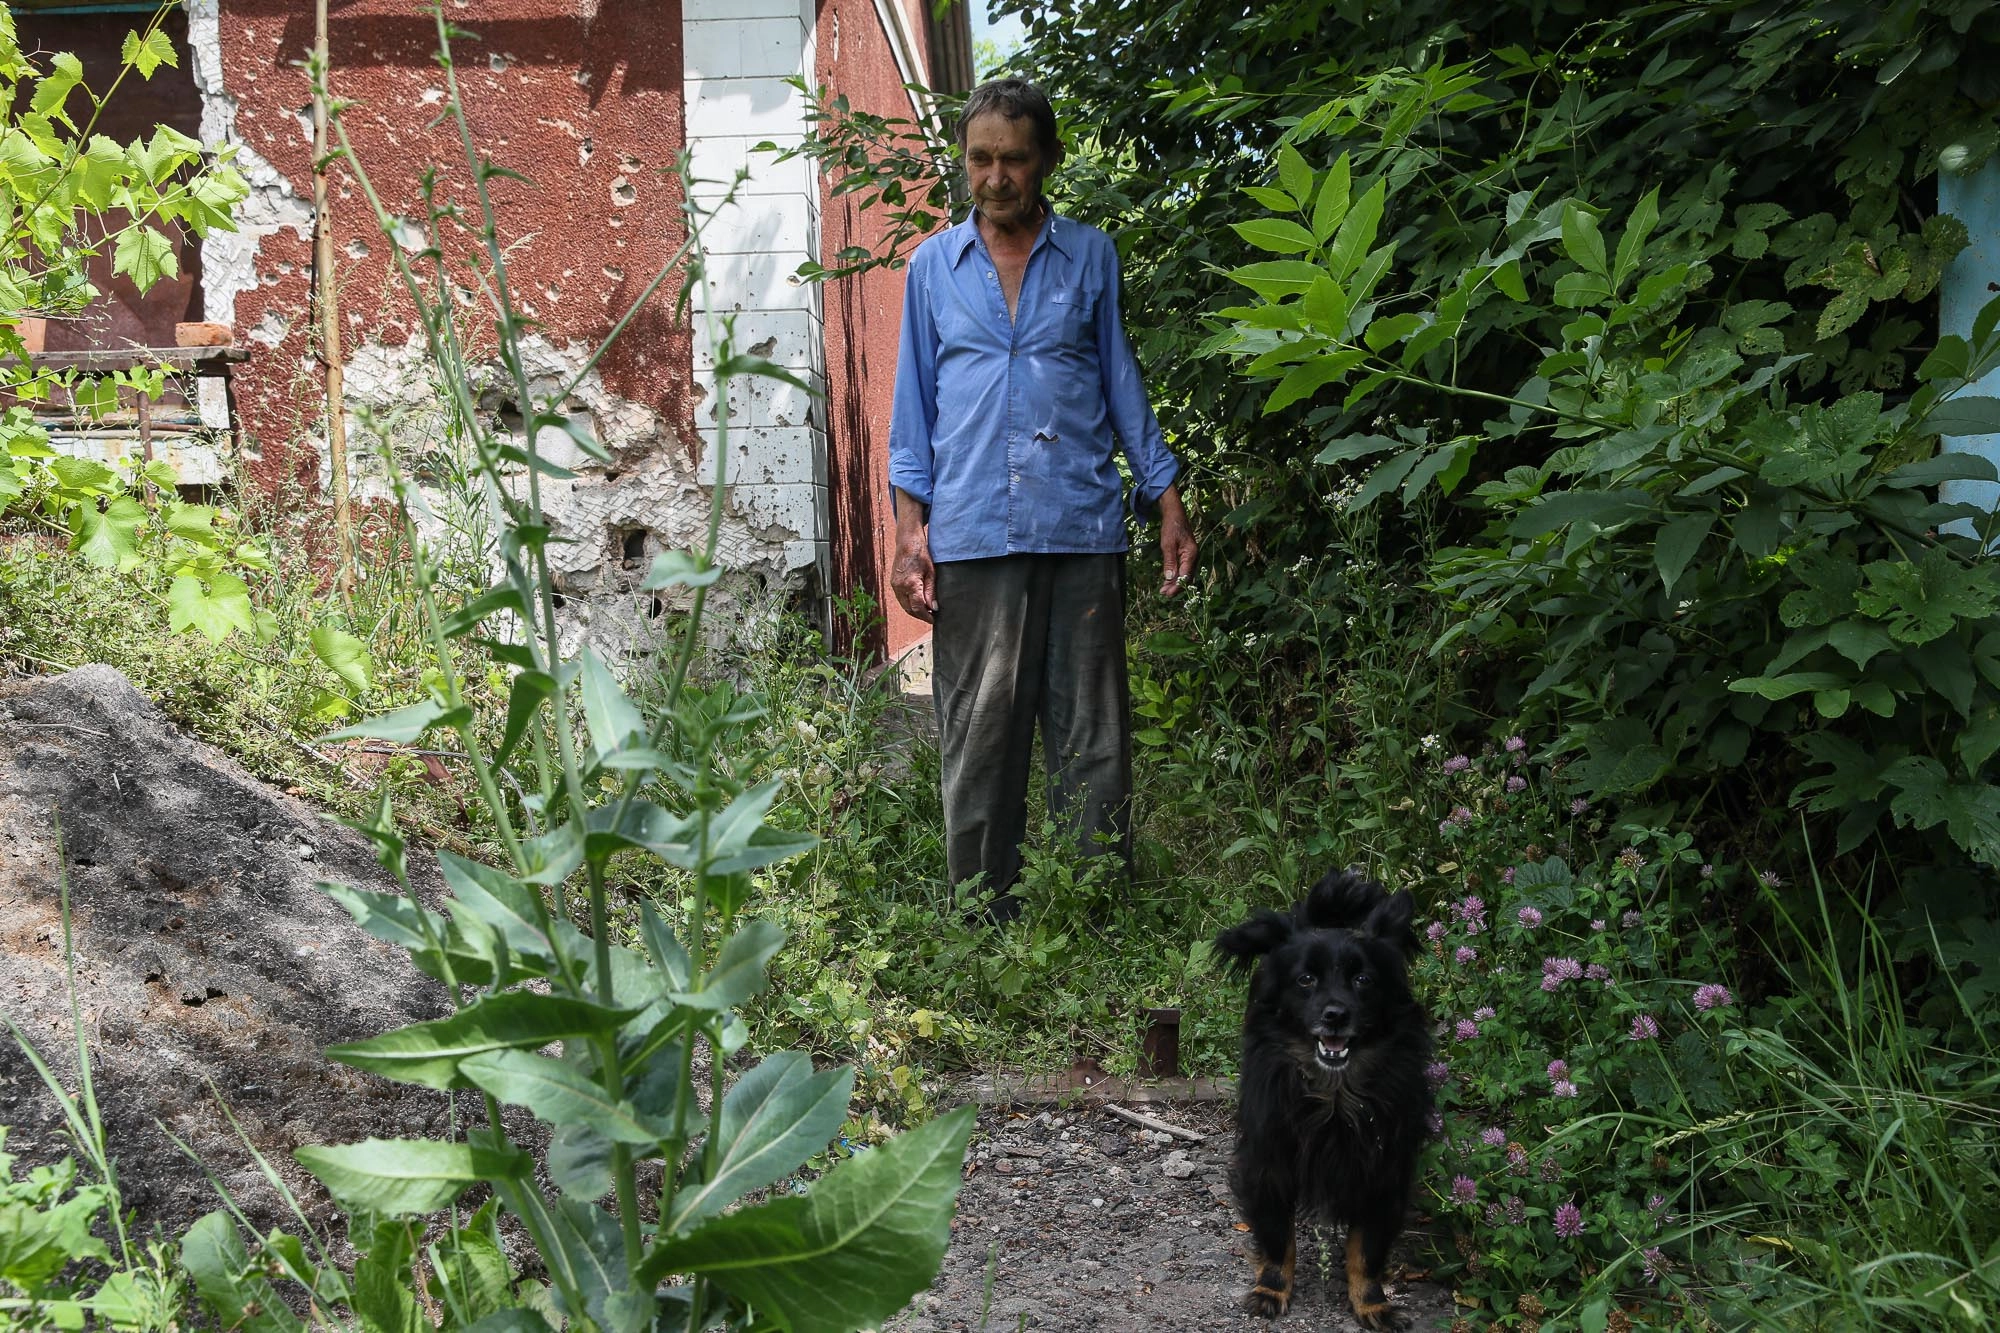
(1393, 922)
(1342, 900)
(1244, 944)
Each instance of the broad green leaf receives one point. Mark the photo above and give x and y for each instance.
(1644, 218)
(1356, 446)
(614, 723)
(401, 1177)
(1582, 240)
(1275, 200)
(1331, 206)
(851, 1253)
(1966, 414)
(233, 1287)
(525, 697)
(1784, 687)
(1308, 377)
(213, 609)
(469, 616)
(557, 1093)
(1677, 543)
(679, 569)
(428, 1053)
(1293, 174)
(148, 53)
(1278, 235)
(405, 724)
(777, 1115)
(499, 900)
(81, 475)
(579, 1162)
(1386, 478)
(52, 90)
(739, 840)
(1507, 278)
(1600, 508)
(1275, 279)
(110, 538)
(1356, 236)
(145, 256)
(1927, 796)
(1326, 308)
(1858, 641)
(344, 655)
(738, 973)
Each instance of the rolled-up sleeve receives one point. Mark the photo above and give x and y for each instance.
(913, 410)
(1154, 468)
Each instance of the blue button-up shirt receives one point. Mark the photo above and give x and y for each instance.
(1008, 429)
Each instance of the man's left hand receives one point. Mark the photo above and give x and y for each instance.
(1177, 545)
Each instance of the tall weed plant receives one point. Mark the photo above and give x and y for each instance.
(607, 785)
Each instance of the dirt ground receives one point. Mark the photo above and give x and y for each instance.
(208, 965)
(1078, 1220)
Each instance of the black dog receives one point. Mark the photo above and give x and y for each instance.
(1333, 1103)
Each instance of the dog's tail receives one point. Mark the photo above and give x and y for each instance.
(1244, 944)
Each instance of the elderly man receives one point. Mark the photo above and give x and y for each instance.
(1015, 391)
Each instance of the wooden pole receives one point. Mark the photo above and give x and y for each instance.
(329, 309)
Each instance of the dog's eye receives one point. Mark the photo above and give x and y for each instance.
(1307, 981)
(1362, 979)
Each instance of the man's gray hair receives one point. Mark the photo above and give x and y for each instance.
(1014, 98)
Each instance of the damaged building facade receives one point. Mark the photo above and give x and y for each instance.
(592, 101)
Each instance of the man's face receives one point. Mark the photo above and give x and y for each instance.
(1004, 168)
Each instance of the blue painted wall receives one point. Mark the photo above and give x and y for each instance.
(1972, 279)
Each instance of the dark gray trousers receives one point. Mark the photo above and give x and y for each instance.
(1016, 641)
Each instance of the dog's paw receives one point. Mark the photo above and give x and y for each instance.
(1267, 1302)
(1380, 1317)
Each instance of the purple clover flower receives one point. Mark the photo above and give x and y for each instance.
(1464, 1190)
(1707, 871)
(1655, 1262)
(1517, 1212)
(1597, 923)
(1645, 1028)
(1569, 1220)
(1465, 953)
(1434, 1124)
(1563, 1088)
(1517, 1160)
(1516, 784)
(1712, 996)
(1482, 1013)
(1495, 1216)
(1558, 1069)
(1514, 745)
(1466, 1029)
(1578, 806)
(1552, 1170)
(1771, 880)
(1597, 972)
(1493, 1136)
(1528, 917)
(1507, 875)
(1434, 931)
(1471, 912)
(1437, 1073)
(1555, 971)
(1458, 763)
(1632, 920)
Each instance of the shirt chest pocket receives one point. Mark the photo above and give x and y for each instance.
(1070, 312)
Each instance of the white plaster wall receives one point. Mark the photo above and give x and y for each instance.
(738, 54)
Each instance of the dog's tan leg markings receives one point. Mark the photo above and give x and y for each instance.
(1364, 1293)
(1273, 1292)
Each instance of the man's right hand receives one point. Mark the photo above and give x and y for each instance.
(912, 577)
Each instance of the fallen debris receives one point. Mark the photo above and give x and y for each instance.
(1153, 1123)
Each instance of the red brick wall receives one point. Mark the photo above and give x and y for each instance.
(863, 315)
(574, 94)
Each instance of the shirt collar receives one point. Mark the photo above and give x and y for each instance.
(962, 236)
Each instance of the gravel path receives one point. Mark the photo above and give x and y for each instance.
(1080, 1221)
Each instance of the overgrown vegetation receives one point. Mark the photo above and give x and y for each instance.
(1565, 420)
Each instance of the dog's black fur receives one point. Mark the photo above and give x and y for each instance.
(1333, 1101)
